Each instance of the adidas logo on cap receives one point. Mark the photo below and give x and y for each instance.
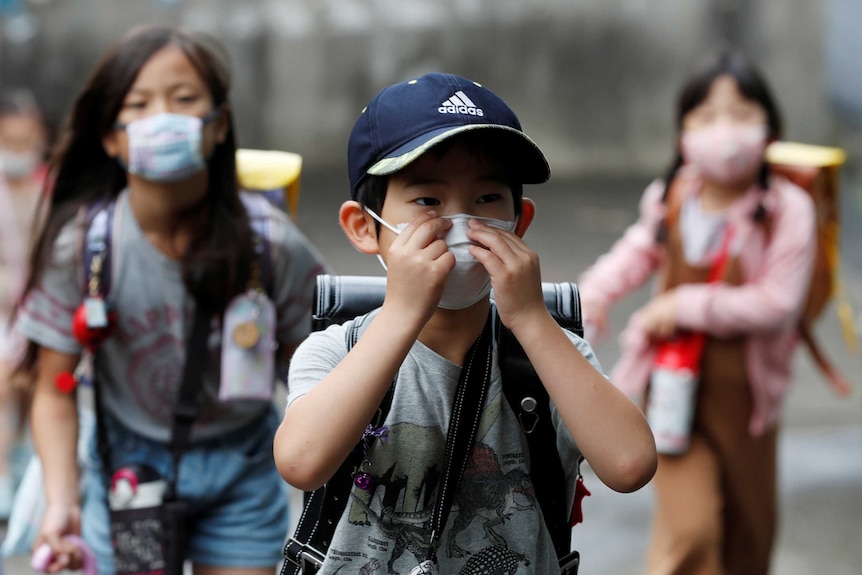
(460, 104)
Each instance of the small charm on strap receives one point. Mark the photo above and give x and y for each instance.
(84, 372)
(363, 478)
(246, 334)
(248, 348)
(381, 433)
(581, 491)
(96, 312)
(92, 322)
(65, 382)
(364, 481)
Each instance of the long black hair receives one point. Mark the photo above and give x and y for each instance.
(751, 84)
(216, 265)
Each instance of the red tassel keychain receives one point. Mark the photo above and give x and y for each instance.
(581, 491)
(66, 382)
(92, 324)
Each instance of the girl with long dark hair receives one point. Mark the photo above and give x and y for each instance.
(151, 134)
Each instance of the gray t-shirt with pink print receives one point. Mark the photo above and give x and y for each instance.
(139, 368)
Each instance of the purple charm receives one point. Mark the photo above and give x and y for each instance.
(364, 481)
(381, 433)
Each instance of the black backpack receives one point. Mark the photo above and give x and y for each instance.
(341, 298)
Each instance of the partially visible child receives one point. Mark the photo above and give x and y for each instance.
(24, 139)
(437, 167)
(152, 131)
(716, 502)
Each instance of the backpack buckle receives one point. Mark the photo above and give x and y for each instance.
(528, 416)
(304, 556)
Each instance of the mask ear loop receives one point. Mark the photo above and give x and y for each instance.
(381, 221)
(212, 114)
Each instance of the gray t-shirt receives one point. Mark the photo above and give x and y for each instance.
(139, 367)
(495, 519)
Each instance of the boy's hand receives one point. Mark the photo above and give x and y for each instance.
(418, 263)
(514, 269)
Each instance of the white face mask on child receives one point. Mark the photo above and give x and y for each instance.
(19, 165)
(468, 282)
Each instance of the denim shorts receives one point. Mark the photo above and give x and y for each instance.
(238, 500)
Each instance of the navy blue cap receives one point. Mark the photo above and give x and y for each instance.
(405, 120)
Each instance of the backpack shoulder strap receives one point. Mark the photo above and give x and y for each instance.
(353, 334)
(97, 223)
(257, 208)
(97, 249)
(529, 400)
(307, 549)
(836, 380)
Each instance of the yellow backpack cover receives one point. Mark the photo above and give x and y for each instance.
(815, 169)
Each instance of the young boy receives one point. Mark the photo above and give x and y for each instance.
(436, 170)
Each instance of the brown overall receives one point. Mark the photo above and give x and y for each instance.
(716, 504)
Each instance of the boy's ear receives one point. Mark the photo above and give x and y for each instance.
(359, 227)
(528, 212)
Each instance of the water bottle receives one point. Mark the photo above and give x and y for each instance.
(135, 508)
(673, 391)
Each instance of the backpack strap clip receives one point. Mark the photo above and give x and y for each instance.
(302, 556)
(528, 416)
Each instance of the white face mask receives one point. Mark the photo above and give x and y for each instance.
(468, 282)
(19, 165)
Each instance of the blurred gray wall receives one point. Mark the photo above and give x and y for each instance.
(594, 81)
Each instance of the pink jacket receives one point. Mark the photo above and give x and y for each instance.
(766, 308)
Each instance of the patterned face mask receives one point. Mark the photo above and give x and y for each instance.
(166, 147)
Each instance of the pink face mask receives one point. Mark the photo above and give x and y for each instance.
(726, 154)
